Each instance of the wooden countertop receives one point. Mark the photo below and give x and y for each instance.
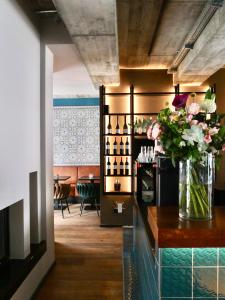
(171, 232)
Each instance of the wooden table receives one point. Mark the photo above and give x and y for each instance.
(87, 178)
(60, 178)
(171, 232)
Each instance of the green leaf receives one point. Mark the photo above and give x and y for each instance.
(208, 94)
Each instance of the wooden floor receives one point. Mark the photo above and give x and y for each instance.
(88, 260)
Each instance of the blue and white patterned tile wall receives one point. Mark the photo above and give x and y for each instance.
(76, 135)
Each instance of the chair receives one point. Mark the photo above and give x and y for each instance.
(90, 194)
(61, 195)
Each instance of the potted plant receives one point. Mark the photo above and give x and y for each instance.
(193, 136)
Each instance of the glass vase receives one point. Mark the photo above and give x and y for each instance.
(196, 180)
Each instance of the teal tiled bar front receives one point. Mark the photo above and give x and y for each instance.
(175, 273)
(191, 273)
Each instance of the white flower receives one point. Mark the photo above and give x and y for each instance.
(193, 108)
(194, 134)
(213, 150)
(213, 131)
(182, 144)
(209, 106)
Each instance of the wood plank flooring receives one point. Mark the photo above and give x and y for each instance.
(88, 260)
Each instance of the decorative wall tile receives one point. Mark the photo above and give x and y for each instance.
(76, 135)
(205, 282)
(176, 282)
(175, 298)
(222, 257)
(205, 256)
(176, 257)
(221, 285)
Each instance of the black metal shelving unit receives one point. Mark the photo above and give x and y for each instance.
(135, 141)
(105, 135)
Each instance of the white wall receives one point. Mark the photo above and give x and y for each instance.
(70, 79)
(28, 287)
(20, 108)
(20, 143)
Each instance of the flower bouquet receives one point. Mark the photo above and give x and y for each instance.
(193, 135)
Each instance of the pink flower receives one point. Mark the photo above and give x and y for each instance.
(194, 122)
(213, 131)
(207, 138)
(193, 109)
(203, 125)
(154, 131)
(223, 147)
(189, 117)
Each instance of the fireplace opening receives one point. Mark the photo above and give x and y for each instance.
(4, 236)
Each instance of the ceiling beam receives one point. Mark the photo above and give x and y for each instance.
(92, 26)
(207, 52)
(138, 21)
(157, 18)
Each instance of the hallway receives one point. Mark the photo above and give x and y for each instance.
(88, 260)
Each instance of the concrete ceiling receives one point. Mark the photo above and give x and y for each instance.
(187, 37)
(70, 77)
(155, 34)
(92, 26)
(151, 32)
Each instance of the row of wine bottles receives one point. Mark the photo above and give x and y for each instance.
(123, 167)
(123, 149)
(118, 131)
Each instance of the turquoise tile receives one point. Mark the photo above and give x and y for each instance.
(176, 282)
(205, 256)
(176, 257)
(177, 298)
(205, 282)
(222, 256)
(221, 285)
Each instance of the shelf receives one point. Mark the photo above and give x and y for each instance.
(146, 114)
(114, 134)
(122, 155)
(118, 114)
(118, 175)
(117, 94)
(118, 193)
(141, 137)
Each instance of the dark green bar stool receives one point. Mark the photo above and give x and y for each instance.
(90, 194)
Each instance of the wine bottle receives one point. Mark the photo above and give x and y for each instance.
(136, 126)
(108, 167)
(121, 147)
(126, 167)
(115, 167)
(144, 128)
(115, 147)
(127, 147)
(109, 127)
(121, 167)
(107, 147)
(125, 127)
(117, 126)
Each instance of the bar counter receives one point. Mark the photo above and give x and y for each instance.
(169, 231)
(177, 259)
